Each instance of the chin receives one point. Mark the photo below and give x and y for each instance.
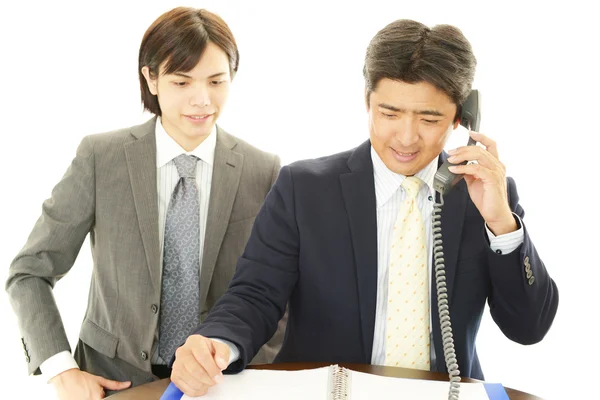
(406, 169)
(196, 133)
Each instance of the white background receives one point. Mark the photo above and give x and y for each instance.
(70, 69)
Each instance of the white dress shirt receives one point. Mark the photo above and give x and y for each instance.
(166, 180)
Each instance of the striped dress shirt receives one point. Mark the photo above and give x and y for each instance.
(389, 195)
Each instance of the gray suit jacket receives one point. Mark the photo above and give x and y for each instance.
(109, 191)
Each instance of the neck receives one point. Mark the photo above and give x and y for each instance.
(188, 144)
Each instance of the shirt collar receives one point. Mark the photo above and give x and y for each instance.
(167, 148)
(388, 182)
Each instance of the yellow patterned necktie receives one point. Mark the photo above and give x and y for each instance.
(407, 325)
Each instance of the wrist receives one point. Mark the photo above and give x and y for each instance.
(58, 379)
(504, 225)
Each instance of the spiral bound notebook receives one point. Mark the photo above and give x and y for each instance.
(334, 383)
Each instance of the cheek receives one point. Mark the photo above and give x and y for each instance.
(436, 140)
(165, 97)
(219, 97)
(176, 100)
(222, 97)
(383, 129)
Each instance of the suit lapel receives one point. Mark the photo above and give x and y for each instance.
(358, 190)
(453, 215)
(141, 162)
(227, 171)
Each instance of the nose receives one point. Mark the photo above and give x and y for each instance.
(407, 132)
(200, 97)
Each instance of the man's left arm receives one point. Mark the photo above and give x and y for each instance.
(524, 297)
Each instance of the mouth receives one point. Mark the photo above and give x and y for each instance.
(404, 156)
(198, 117)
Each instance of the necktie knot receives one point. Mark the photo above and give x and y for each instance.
(412, 184)
(186, 165)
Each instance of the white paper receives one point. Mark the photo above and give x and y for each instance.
(270, 385)
(312, 384)
(368, 387)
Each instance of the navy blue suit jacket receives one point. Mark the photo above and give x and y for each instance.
(314, 245)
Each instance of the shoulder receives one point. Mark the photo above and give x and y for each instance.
(322, 167)
(118, 137)
(254, 156)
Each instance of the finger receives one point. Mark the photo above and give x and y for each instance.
(197, 373)
(476, 170)
(221, 354)
(490, 145)
(204, 355)
(187, 388)
(112, 385)
(475, 153)
(186, 367)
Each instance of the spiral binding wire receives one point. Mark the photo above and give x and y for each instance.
(340, 378)
(443, 309)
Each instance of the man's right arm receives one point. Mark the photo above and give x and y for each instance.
(248, 313)
(49, 253)
(57, 364)
(246, 316)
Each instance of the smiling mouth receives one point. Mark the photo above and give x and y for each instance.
(405, 154)
(199, 117)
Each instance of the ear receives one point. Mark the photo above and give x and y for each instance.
(152, 82)
(367, 100)
(456, 123)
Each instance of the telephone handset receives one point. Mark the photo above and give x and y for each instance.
(444, 181)
(469, 118)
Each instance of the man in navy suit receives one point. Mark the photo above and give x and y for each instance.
(323, 240)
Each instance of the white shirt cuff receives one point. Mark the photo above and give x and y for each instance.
(508, 242)
(234, 352)
(57, 364)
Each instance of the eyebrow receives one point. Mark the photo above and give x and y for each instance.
(419, 112)
(189, 77)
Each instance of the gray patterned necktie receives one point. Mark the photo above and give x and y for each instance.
(180, 295)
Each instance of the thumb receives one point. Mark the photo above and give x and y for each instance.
(113, 385)
(221, 354)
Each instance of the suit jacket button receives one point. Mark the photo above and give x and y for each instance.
(531, 280)
(528, 267)
(154, 308)
(526, 261)
(144, 355)
(529, 275)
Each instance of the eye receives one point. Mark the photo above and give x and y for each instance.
(180, 84)
(217, 83)
(387, 115)
(431, 121)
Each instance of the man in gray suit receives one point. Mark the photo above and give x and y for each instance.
(169, 206)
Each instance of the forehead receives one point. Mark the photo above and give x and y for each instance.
(403, 94)
(212, 61)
